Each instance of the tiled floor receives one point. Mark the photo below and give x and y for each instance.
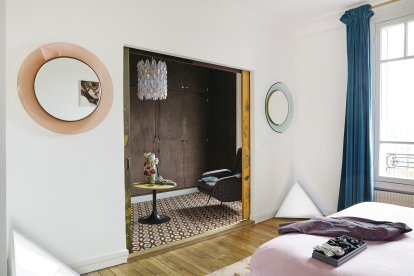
(189, 216)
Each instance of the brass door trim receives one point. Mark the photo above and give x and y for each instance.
(127, 155)
(246, 172)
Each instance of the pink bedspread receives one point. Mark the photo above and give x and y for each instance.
(291, 254)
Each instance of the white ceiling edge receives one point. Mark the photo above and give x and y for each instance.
(331, 22)
(257, 14)
(340, 12)
(319, 26)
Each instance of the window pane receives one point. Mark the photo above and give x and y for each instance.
(410, 45)
(397, 101)
(396, 160)
(392, 42)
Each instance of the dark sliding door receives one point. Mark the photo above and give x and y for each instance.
(142, 136)
(196, 133)
(170, 128)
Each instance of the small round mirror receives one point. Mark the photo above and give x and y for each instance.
(278, 107)
(67, 88)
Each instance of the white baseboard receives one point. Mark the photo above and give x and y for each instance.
(265, 216)
(101, 262)
(144, 198)
(271, 214)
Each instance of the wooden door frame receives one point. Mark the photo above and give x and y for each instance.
(245, 97)
(127, 154)
(246, 156)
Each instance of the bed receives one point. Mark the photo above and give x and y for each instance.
(291, 254)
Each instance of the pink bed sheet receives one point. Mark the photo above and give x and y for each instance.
(291, 254)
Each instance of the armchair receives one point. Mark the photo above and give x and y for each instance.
(228, 187)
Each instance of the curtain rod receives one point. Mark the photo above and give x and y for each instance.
(384, 4)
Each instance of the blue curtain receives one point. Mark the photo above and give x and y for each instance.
(357, 169)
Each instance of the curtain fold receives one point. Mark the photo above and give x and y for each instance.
(357, 168)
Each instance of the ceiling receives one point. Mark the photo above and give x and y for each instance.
(301, 11)
(300, 18)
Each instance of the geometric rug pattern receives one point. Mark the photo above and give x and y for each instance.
(189, 216)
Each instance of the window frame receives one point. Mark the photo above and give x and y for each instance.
(382, 182)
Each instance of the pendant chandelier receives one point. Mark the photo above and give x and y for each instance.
(152, 80)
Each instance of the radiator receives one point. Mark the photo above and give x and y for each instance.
(405, 200)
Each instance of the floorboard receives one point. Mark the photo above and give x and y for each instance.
(227, 249)
(203, 257)
(106, 272)
(217, 253)
(129, 270)
(142, 270)
(184, 264)
(174, 266)
(206, 269)
(95, 273)
(117, 271)
(238, 243)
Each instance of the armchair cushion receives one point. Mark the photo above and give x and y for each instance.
(217, 173)
(209, 179)
(206, 185)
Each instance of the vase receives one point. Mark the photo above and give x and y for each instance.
(151, 162)
(151, 179)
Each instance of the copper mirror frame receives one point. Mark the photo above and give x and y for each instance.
(25, 86)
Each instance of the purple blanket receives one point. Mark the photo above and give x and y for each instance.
(359, 228)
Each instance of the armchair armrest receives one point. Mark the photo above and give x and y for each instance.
(218, 173)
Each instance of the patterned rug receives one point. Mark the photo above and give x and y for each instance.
(189, 216)
(241, 268)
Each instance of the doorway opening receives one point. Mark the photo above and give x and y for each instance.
(198, 128)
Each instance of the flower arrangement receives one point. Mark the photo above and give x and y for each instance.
(150, 167)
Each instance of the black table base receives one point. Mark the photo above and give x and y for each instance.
(154, 218)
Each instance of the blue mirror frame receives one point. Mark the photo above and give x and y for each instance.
(285, 125)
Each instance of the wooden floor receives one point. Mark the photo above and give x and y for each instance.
(201, 258)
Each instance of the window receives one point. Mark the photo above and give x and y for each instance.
(394, 104)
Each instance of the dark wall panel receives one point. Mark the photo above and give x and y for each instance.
(170, 124)
(142, 132)
(222, 119)
(196, 135)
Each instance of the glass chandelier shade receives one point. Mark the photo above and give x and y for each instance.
(152, 80)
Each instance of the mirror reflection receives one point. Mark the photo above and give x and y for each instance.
(67, 88)
(278, 107)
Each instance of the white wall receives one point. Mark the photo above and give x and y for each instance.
(320, 86)
(321, 83)
(3, 214)
(70, 199)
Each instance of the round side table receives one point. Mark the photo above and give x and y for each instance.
(154, 218)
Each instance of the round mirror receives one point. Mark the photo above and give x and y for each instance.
(278, 107)
(67, 89)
